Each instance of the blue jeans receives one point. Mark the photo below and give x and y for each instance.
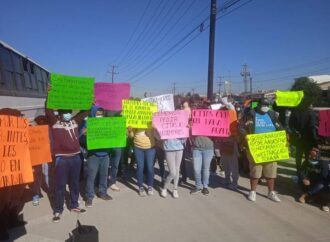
(40, 174)
(114, 163)
(202, 160)
(96, 164)
(145, 156)
(67, 170)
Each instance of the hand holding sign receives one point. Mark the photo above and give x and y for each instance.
(289, 99)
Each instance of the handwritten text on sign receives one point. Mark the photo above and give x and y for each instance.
(138, 114)
(324, 125)
(110, 95)
(208, 122)
(164, 102)
(289, 98)
(171, 125)
(106, 133)
(39, 145)
(15, 164)
(268, 147)
(70, 92)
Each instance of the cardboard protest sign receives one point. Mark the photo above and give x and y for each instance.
(164, 102)
(171, 125)
(15, 163)
(70, 92)
(39, 145)
(289, 99)
(206, 122)
(324, 125)
(216, 106)
(110, 95)
(138, 114)
(268, 147)
(106, 133)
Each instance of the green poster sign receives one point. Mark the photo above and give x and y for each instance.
(106, 133)
(70, 92)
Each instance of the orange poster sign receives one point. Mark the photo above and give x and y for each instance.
(39, 145)
(15, 164)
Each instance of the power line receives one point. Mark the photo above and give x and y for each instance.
(148, 45)
(133, 33)
(129, 53)
(176, 45)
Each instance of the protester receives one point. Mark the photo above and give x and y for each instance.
(67, 161)
(115, 157)
(229, 149)
(302, 124)
(316, 176)
(160, 158)
(40, 172)
(261, 120)
(144, 151)
(173, 152)
(187, 151)
(203, 150)
(11, 198)
(97, 163)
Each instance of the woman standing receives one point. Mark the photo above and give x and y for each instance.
(144, 150)
(173, 152)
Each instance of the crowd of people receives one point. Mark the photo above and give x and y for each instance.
(73, 163)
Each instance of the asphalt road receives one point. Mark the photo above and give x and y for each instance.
(224, 215)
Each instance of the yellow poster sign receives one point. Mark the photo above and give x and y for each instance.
(268, 147)
(138, 114)
(289, 99)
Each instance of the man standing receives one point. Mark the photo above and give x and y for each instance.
(67, 158)
(261, 120)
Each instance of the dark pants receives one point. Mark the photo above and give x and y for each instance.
(96, 164)
(323, 181)
(67, 170)
(160, 157)
(301, 150)
(114, 163)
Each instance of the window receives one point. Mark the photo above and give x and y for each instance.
(32, 68)
(25, 62)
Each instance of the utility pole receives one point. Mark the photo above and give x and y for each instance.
(211, 49)
(173, 90)
(219, 83)
(193, 91)
(113, 73)
(251, 85)
(245, 74)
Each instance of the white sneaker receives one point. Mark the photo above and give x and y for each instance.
(150, 191)
(163, 192)
(273, 196)
(175, 194)
(114, 188)
(252, 196)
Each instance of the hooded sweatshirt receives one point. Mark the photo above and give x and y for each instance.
(65, 134)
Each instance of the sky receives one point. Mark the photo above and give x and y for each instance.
(158, 44)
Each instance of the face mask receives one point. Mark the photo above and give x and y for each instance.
(67, 116)
(264, 109)
(98, 116)
(56, 113)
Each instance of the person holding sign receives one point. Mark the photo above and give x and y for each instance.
(97, 162)
(67, 158)
(11, 197)
(261, 120)
(144, 151)
(203, 151)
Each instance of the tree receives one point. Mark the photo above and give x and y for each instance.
(312, 92)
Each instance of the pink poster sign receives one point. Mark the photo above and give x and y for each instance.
(206, 122)
(171, 124)
(324, 125)
(110, 95)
